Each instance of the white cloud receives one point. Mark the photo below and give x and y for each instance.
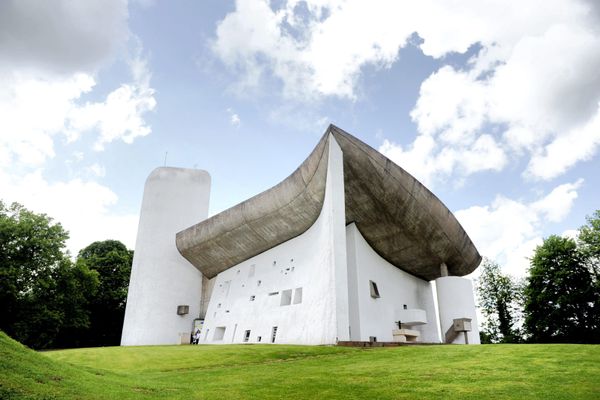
(121, 115)
(526, 92)
(509, 230)
(82, 207)
(234, 119)
(97, 170)
(61, 36)
(50, 56)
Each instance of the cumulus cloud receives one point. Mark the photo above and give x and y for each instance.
(121, 115)
(508, 230)
(61, 36)
(50, 56)
(525, 92)
(82, 207)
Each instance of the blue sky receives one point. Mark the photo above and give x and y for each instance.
(494, 105)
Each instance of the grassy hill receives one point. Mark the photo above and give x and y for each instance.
(277, 371)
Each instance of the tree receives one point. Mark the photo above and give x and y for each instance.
(498, 297)
(111, 260)
(589, 242)
(561, 299)
(40, 289)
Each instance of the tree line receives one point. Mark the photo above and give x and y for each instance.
(557, 302)
(48, 300)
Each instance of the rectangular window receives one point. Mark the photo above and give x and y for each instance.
(258, 338)
(298, 296)
(182, 310)
(252, 298)
(246, 335)
(286, 297)
(273, 293)
(374, 290)
(273, 334)
(219, 333)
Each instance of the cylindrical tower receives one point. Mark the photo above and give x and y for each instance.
(456, 301)
(162, 282)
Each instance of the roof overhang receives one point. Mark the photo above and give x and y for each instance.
(400, 218)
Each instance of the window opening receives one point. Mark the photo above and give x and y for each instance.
(219, 333)
(286, 298)
(273, 334)
(298, 296)
(258, 338)
(273, 293)
(374, 290)
(246, 335)
(252, 297)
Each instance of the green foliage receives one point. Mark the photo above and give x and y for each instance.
(589, 243)
(301, 372)
(499, 298)
(561, 299)
(111, 260)
(42, 294)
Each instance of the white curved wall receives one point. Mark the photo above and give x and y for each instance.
(314, 261)
(456, 300)
(161, 279)
(377, 316)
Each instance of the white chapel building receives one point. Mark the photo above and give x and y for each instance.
(348, 248)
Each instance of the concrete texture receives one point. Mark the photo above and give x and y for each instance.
(161, 279)
(401, 219)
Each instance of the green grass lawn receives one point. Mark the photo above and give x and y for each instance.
(293, 372)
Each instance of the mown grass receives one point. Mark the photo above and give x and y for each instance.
(276, 371)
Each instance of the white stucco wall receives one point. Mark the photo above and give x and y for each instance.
(377, 316)
(456, 300)
(161, 279)
(314, 261)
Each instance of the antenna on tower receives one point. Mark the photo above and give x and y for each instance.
(166, 152)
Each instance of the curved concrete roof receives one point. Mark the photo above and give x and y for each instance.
(400, 218)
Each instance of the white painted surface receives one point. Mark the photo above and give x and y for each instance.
(161, 279)
(412, 316)
(314, 261)
(377, 316)
(456, 300)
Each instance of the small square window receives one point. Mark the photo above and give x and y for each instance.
(246, 336)
(219, 333)
(252, 298)
(286, 297)
(182, 310)
(374, 290)
(298, 296)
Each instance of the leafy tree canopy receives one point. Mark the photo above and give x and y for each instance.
(42, 293)
(498, 297)
(561, 300)
(111, 260)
